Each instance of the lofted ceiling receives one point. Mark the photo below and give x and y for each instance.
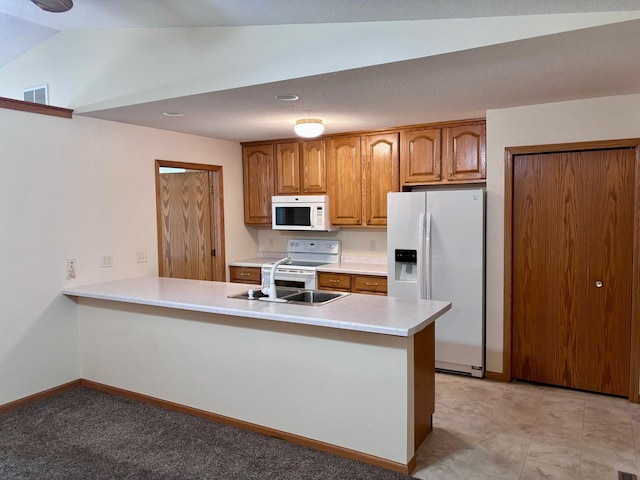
(583, 63)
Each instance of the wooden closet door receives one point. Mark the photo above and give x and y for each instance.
(572, 269)
(186, 225)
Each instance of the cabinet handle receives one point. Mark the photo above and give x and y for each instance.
(368, 284)
(243, 274)
(333, 281)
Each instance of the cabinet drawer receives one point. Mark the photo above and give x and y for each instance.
(370, 284)
(245, 275)
(334, 281)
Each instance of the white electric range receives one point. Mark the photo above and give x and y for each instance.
(306, 255)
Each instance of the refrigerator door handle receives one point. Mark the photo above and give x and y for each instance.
(420, 256)
(422, 262)
(427, 257)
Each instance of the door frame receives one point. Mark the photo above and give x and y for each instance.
(218, 267)
(510, 152)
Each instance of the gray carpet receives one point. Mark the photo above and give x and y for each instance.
(86, 434)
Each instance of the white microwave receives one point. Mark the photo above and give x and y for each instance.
(301, 212)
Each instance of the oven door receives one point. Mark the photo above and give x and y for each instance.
(292, 278)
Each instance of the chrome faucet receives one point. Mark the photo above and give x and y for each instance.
(271, 288)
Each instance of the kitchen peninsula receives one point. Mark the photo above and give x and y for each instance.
(353, 377)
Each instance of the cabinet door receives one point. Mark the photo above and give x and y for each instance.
(245, 275)
(465, 152)
(314, 167)
(334, 281)
(345, 184)
(258, 181)
(420, 156)
(371, 284)
(287, 168)
(380, 175)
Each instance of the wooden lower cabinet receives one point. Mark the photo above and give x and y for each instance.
(372, 284)
(245, 275)
(345, 282)
(334, 281)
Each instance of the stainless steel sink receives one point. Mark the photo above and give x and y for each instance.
(257, 293)
(294, 295)
(314, 297)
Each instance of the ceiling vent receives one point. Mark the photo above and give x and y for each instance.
(37, 95)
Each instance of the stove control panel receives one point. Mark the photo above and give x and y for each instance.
(331, 247)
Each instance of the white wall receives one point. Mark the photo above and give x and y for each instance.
(356, 242)
(82, 188)
(586, 120)
(325, 384)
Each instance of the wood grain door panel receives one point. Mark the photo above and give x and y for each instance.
(186, 225)
(380, 175)
(258, 166)
(573, 226)
(287, 168)
(314, 167)
(345, 187)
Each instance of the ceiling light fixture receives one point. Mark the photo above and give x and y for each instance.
(308, 127)
(55, 6)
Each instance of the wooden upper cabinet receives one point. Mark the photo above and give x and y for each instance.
(287, 168)
(420, 151)
(345, 180)
(258, 170)
(313, 167)
(301, 168)
(465, 151)
(451, 154)
(380, 175)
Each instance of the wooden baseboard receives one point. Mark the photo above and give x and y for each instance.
(39, 396)
(289, 437)
(499, 377)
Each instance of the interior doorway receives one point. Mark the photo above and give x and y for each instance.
(190, 221)
(571, 265)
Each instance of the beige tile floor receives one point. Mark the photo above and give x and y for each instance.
(501, 431)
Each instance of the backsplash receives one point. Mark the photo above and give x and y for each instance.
(355, 242)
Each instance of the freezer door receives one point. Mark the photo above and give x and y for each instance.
(457, 272)
(404, 232)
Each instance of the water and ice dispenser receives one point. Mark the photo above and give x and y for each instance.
(406, 265)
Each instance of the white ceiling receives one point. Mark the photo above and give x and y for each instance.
(585, 63)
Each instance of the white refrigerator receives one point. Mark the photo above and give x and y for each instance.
(435, 242)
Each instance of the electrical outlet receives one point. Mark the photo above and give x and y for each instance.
(372, 244)
(141, 257)
(71, 268)
(106, 261)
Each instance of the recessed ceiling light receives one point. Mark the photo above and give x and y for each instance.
(287, 98)
(173, 114)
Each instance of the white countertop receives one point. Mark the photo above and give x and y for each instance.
(364, 313)
(355, 268)
(349, 266)
(251, 262)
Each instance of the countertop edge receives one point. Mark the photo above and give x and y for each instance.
(248, 310)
